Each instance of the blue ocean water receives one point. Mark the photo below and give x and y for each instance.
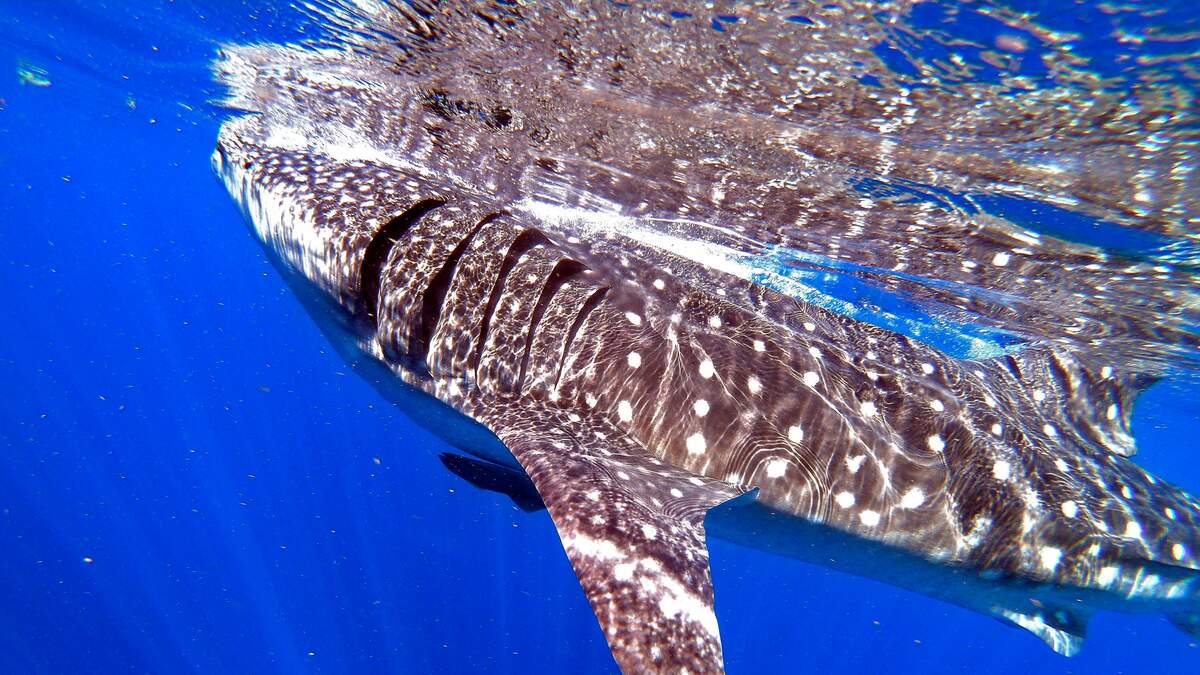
(192, 480)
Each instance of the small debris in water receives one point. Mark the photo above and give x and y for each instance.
(34, 76)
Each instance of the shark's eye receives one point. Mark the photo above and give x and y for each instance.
(381, 246)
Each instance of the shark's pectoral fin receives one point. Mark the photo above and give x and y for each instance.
(1064, 630)
(633, 529)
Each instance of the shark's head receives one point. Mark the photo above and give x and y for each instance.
(324, 189)
(294, 243)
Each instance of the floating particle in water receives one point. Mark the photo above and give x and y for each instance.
(1012, 43)
(28, 73)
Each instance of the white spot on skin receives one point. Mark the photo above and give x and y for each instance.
(776, 468)
(816, 353)
(714, 321)
(855, 463)
(810, 326)
(649, 531)
(1000, 259)
(634, 359)
(912, 499)
(1050, 557)
(624, 571)
(1126, 492)
(997, 429)
(844, 499)
(1111, 414)
(625, 411)
(676, 493)
(811, 379)
(937, 405)
(936, 443)
(590, 399)
(658, 283)
(1169, 513)
(707, 369)
(1133, 529)
(867, 408)
(753, 384)
(927, 368)
(634, 319)
(1178, 552)
(1002, 470)
(1050, 430)
(1039, 395)
(869, 518)
(1070, 509)
(696, 444)
(760, 346)
(795, 433)
(700, 407)
(1106, 372)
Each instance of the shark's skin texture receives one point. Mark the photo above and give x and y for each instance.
(606, 281)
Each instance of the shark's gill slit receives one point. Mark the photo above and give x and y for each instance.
(380, 247)
(592, 303)
(1058, 374)
(564, 271)
(435, 295)
(524, 242)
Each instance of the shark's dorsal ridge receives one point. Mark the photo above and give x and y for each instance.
(1083, 394)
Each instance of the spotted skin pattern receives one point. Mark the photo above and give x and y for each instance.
(593, 317)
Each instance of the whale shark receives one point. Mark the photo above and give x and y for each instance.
(668, 275)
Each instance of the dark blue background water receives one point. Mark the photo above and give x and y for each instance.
(191, 479)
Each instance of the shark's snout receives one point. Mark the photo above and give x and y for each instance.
(219, 158)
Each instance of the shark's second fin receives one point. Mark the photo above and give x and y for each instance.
(495, 478)
(1188, 622)
(633, 528)
(1063, 630)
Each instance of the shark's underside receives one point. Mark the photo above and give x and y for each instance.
(605, 243)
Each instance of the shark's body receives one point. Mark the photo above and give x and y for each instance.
(606, 300)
